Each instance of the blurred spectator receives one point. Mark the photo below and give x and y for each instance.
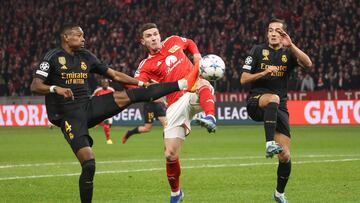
(327, 30)
(347, 81)
(307, 83)
(331, 77)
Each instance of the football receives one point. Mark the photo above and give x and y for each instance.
(212, 67)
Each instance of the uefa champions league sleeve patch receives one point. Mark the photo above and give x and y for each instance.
(248, 61)
(43, 68)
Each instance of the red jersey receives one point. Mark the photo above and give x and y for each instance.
(100, 91)
(169, 64)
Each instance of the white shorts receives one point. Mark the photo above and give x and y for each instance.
(109, 121)
(180, 114)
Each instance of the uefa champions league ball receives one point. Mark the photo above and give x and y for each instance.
(212, 67)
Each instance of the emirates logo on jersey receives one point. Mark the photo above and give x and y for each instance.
(170, 60)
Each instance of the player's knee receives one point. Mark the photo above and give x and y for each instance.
(202, 83)
(88, 168)
(274, 98)
(170, 155)
(284, 157)
(121, 98)
(147, 128)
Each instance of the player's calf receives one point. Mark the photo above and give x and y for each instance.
(283, 174)
(86, 180)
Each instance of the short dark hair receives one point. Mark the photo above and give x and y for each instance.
(278, 20)
(146, 26)
(67, 26)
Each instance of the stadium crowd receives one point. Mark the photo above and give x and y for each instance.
(327, 30)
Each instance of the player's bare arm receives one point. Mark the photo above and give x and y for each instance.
(197, 58)
(248, 77)
(303, 58)
(123, 78)
(38, 86)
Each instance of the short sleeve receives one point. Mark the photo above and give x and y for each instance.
(42, 70)
(96, 65)
(250, 61)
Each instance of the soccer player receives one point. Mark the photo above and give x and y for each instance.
(106, 124)
(152, 110)
(63, 77)
(267, 68)
(167, 62)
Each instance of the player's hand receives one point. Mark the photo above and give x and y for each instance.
(284, 37)
(271, 69)
(65, 92)
(146, 84)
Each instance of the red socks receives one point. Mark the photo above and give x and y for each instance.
(207, 101)
(106, 128)
(173, 172)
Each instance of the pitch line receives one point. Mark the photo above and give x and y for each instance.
(184, 167)
(158, 160)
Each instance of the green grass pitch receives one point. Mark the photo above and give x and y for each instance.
(37, 165)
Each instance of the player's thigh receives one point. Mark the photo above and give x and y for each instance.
(163, 121)
(75, 130)
(253, 109)
(265, 99)
(101, 108)
(173, 147)
(160, 109)
(282, 122)
(85, 154)
(179, 116)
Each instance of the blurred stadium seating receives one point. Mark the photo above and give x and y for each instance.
(326, 30)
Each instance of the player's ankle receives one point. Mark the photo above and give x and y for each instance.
(175, 193)
(278, 194)
(212, 116)
(271, 142)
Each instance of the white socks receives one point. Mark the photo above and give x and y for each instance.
(278, 194)
(270, 143)
(175, 193)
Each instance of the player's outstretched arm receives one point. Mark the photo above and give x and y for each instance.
(303, 58)
(123, 78)
(40, 87)
(197, 57)
(250, 77)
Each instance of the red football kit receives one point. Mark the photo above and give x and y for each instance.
(100, 91)
(169, 64)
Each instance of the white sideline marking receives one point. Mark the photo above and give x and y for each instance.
(183, 159)
(185, 167)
